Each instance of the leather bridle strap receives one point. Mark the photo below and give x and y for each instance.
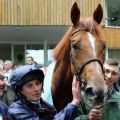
(79, 70)
(78, 30)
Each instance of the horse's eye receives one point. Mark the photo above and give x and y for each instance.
(74, 44)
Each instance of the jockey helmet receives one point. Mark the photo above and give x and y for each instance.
(23, 75)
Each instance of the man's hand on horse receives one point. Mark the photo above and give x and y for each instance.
(76, 91)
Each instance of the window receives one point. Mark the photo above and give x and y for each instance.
(5, 51)
(113, 13)
(50, 48)
(37, 52)
(18, 55)
(114, 54)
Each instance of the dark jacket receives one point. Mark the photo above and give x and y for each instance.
(22, 110)
(3, 110)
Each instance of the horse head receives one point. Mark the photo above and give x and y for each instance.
(87, 54)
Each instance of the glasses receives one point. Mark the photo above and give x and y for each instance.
(113, 73)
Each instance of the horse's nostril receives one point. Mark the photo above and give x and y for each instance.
(90, 93)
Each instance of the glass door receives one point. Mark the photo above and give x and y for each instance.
(5, 51)
(37, 52)
(18, 54)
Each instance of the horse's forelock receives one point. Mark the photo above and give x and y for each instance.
(92, 26)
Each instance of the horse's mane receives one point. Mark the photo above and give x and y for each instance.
(59, 50)
(89, 24)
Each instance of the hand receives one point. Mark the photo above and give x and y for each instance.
(76, 91)
(94, 114)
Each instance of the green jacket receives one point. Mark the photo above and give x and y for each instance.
(111, 110)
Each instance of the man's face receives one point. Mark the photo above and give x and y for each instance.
(7, 66)
(111, 74)
(32, 90)
(29, 61)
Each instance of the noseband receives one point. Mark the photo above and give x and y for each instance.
(79, 70)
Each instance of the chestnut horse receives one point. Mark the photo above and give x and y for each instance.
(80, 52)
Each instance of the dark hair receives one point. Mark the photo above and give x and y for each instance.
(111, 62)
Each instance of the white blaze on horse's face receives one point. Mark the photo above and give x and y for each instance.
(92, 41)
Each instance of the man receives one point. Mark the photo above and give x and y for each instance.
(27, 82)
(111, 109)
(7, 67)
(9, 95)
(30, 60)
(3, 107)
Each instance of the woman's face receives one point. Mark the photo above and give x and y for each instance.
(32, 90)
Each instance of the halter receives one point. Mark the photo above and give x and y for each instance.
(78, 30)
(79, 70)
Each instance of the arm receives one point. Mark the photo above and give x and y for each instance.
(82, 113)
(70, 111)
(85, 112)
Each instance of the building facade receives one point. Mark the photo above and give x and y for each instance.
(34, 27)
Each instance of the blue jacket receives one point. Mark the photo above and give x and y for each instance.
(3, 110)
(22, 110)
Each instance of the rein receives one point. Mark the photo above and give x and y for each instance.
(79, 70)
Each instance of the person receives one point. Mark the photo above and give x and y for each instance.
(30, 60)
(3, 107)
(9, 95)
(1, 65)
(27, 82)
(111, 108)
(117, 84)
(7, 67)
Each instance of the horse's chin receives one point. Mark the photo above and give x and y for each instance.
(96, 103)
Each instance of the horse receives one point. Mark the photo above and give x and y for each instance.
(80, 52)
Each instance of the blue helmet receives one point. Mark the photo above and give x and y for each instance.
(23, 75)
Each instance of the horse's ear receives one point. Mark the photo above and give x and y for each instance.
(98, 14)
(75, 14)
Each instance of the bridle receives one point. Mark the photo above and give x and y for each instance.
(79, 70)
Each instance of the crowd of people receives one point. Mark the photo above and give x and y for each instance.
(21, 89)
